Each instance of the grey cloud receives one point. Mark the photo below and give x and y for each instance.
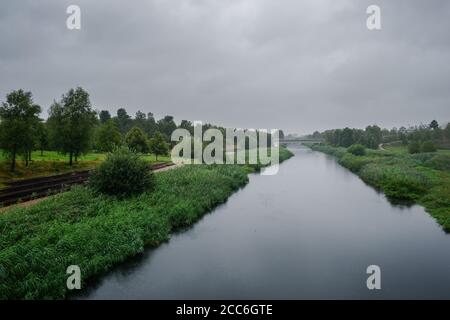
(296, 65)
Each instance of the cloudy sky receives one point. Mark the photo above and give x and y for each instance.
(291, 64)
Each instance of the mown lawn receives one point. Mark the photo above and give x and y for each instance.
(422, 178)
(95, 232)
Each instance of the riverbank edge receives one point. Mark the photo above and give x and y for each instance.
(435, 199)
(96, 233)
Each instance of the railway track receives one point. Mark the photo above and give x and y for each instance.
(30, 189)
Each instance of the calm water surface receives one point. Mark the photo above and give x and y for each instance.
(308, 232)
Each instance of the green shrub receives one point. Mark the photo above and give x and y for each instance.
(439, 162)
(422, 157)
(136, 139)
(353, 163)
(357, 150)
(428, 146)
(123, 174)
(397, 182)
(414, 147)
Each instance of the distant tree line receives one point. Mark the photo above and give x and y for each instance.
(421, 138)
(74, 128)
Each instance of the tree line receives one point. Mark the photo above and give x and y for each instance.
(419, 138)
(74, 128)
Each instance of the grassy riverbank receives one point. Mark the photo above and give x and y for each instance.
(422, 178)
(39, 242)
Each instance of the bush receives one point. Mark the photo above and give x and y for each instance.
(428, 146)
(414, 147)
(137, 140)
(397, 182)
(353, 163)
(439, 162)
(123, 174)
(357, 150)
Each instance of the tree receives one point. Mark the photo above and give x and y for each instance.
(185, 124)
(104, 116)
(108, 136)
(166, 126)
(140, 120)
(123, 120)
(447, 131)
(357, 150)
(150, 125)
(428, 146)
(71, 123)
(316, 135)
(434, 125)
(373, 136)
(347, 137)
(137, 140)
(158, 145)
(414, 147)
(19, 118)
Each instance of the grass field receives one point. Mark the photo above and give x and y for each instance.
(95, 232)
(422, 178)
(52, 162)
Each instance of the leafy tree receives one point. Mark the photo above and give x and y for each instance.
(357, 150)
(71, 123)
(414, 147)
(447, 131)
(316, 135)
(140, 120)
(150, 125)
(137, 140)
(108, 136)
(347, 137)
(42, 137)
(123, 120)
(19, 118)
(166, 126)
(158, 145)
(373, 136)
(434, 125)
(185, 124)
(104, 116)
(428, 146)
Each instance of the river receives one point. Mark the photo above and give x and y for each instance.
(308, 232)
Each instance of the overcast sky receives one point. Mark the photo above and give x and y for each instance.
(290, 64)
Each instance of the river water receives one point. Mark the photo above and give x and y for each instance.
(309, 232)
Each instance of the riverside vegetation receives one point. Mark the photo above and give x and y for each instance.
(422, 178)
(95, 232)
